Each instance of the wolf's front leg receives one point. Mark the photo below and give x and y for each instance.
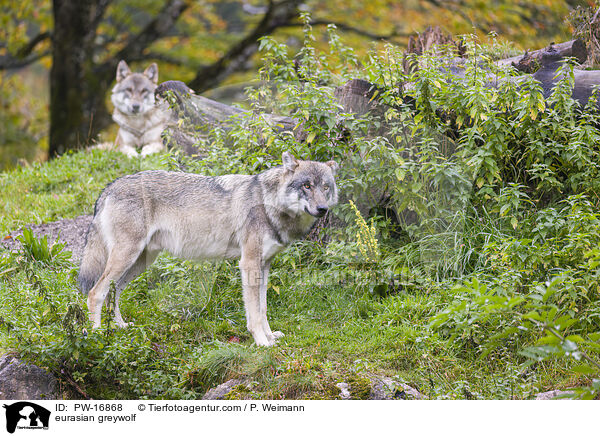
(126, 142)
(272, 337)
(252, 271)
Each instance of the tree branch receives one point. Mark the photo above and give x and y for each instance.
(134, 48)
(161, 57)
(98, 13)
(453, 7)
(277, 15)
(12, 63)
(25, 56)
(348, 28)
(157, 28)
(30, 46)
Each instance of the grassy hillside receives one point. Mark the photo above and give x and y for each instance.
(61, 188)
(190, 330)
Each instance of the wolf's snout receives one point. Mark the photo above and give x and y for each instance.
(135, 107)
(322, 210)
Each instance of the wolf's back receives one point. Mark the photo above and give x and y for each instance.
(94, 259)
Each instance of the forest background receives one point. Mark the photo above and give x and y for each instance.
(58, 59)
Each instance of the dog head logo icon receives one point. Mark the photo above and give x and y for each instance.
(24, 414)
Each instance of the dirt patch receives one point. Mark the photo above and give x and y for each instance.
(70, 232)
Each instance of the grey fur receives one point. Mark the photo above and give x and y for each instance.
(199, 217)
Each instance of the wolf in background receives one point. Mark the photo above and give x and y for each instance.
(140, 121)
(251, 217)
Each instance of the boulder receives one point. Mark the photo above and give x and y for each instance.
(386, 388)
(344, 391)
(22, 381)
(551, 395)
(219, 392)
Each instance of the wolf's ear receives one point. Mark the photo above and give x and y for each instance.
(333, 165)
(289, 162)
(122, 71)
(152, 72)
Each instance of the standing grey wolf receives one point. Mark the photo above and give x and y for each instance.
(251, 217)
(140, 121)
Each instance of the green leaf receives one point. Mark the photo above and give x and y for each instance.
(533, 315)
(594, 336)
(585, 369)
(548, 340)
(400, 174)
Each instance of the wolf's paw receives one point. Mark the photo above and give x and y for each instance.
(151, 148)
(123, 325)
(264, 342)
(273, 337)
(128, 151)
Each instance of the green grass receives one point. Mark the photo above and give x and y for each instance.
(190, 335)
(62, 188)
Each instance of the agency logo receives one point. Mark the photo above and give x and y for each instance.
(26, 415)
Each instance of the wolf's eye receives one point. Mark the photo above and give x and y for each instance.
(306, 185)
(129, 91)
(144, 92)
(325, 188)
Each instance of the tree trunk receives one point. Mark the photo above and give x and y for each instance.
(77, 110)
(78, 85)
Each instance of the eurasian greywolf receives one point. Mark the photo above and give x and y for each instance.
(140, 121)
(251, 217)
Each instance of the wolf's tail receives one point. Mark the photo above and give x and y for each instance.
(94, 259)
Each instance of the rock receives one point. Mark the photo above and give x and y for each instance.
(386, 388)
(344, 391)
(219, 392)
(550, 395)
(22, 381)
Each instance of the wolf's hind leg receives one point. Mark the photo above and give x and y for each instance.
(119, 261)
(144, 260)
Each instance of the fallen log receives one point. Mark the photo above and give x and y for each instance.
(356, 96)
(361, 97)
(529, 62)
(203, 111)
(544, 63)
(585, 81)
(193, 115)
